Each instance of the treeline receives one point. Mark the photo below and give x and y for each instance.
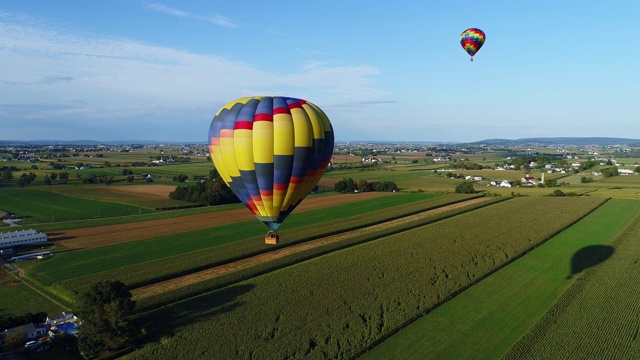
(212, 191)
(14, 321)
(348, 185)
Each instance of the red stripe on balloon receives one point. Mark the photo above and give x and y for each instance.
(281, 110)
(263, 117)
(244, 125)
(280, 187)
(294, 105)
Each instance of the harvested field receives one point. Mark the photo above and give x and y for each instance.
(187, 280)
(116, 234)
(150, 191)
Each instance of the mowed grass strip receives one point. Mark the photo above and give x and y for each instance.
(74, 264)
(485, 320)
(337, 305)
(36, 206)
(597, 317)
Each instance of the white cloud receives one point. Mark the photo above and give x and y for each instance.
(57, 73)
(213, 19)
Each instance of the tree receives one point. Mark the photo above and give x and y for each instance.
(47, 180)
(465, 188)
(7, 174)
(105, 309)
(384, 186)
(345, 186)
(557, 192)
(130, 178)
(610, 171)
(362, 185)
(181, 177)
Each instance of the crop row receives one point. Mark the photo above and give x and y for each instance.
(524, 290)
(352, 238)
(337, 305)
(597, 317)
(160, 257)
(238, 241)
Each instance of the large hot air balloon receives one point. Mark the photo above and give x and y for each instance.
(271, 151)
(472, 40)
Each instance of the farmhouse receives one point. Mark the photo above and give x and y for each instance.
(528, 181)
(59, 318)
(24, 237)
(30, 331)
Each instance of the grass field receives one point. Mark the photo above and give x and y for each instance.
(486, 319)
(37, 206)
(18, 298)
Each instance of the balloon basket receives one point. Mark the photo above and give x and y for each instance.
(271, 238)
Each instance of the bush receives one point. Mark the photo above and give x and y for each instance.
(465, 188)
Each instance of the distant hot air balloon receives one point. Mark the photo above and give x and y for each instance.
(271, 151)
(472, 40)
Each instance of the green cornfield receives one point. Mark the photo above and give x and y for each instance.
(597, 317)
(335, 306)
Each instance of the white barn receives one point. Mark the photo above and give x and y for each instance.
(24, 237)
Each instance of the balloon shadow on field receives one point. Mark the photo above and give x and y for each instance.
(589, 256)
(204, 307)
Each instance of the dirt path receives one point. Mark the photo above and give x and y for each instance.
(211, 273)
(116, 234)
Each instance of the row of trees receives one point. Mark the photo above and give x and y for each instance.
(348, 185)
(212, 191)
(13, 321)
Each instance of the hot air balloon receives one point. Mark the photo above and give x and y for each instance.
(271, 151)
(472, 40)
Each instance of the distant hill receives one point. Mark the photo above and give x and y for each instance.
(580, 141)
(94, 142)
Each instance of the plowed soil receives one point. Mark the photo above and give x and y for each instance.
(149, 191)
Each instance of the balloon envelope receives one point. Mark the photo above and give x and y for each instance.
(271, 151)
(472, 40)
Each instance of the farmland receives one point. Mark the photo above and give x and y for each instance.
(485, 320)
(343, 283)
(345, 316)
(598, 316)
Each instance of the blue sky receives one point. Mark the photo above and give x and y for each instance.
(381, 70)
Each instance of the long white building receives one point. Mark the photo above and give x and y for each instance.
(24, 237)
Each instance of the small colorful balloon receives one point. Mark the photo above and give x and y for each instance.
(472, 40)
